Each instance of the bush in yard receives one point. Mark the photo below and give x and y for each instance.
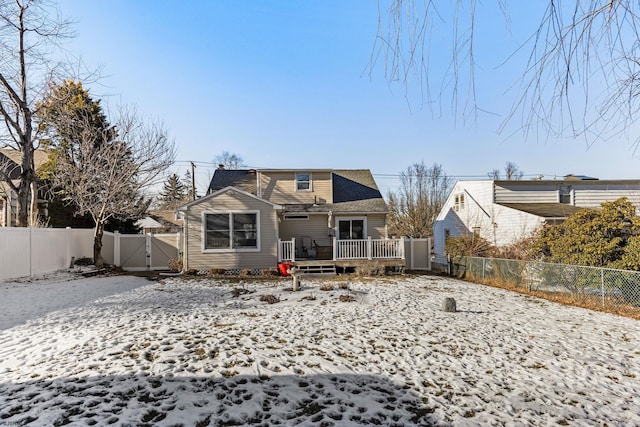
(370, 269)
(471, 245)
(269, 272)
(606, 237)
(175, 265)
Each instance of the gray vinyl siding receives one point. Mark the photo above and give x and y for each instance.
(267, 256)
(593, 197)
(527, 194)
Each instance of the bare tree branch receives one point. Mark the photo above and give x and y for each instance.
(581, 79)
(28, 31)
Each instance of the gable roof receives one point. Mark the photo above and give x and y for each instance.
(186, 207)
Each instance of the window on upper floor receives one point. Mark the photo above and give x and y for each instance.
(565, 194)
(459, 202)
(303, 181)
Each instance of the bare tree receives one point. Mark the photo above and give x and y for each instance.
(229, 160)
(494, 174)
(511, 172)
(581, 79)
(107, 175)
(28, 31)
(418, 201)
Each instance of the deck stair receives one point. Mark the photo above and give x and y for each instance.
(317, 269)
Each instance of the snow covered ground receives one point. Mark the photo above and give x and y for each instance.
(194, 352)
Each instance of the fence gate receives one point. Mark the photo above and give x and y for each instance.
(418, 254)
(135, 252)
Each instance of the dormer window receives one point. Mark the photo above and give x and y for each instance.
(303, 181)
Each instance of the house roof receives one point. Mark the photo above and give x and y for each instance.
(11, 161)
(243, 179)
(545, 210)
(354, 190)
(231, 190)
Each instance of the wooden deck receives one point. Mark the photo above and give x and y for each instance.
(329, 267)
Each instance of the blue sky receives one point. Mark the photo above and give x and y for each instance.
(285, 84)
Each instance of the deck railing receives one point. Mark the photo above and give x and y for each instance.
(351, 249)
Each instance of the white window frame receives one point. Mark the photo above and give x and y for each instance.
(365, 230)
(230, 214)
(297, 181)
(458, 202)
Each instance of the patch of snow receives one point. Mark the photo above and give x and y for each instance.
(184, 351)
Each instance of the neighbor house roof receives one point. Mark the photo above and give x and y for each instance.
(545, 210)
(570, 180)
(11, 161)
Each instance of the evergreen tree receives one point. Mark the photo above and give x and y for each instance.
(173, 192)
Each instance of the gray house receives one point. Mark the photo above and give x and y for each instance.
(255, 219)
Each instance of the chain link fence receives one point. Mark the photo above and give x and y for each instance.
(609, 289)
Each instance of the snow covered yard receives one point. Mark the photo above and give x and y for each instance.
(198, 352)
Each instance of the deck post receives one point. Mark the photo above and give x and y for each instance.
(335, 248)
(369, 249)
(293, 249)
(279, 250)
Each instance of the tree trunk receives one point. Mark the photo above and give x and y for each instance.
(97, 245)
(27, 177)
(22, 204)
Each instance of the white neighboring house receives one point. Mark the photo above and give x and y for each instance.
(504, 212)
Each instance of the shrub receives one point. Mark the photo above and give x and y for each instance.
(84, 261)
(370, 269)
(472, 245)
(269, 272)
(216, 271)
(271, 299)
(175, 265)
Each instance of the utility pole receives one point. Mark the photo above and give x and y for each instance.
(193, 181)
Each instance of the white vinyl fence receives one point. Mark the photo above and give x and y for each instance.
(29, 251)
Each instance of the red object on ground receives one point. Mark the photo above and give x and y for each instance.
(283, 267)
